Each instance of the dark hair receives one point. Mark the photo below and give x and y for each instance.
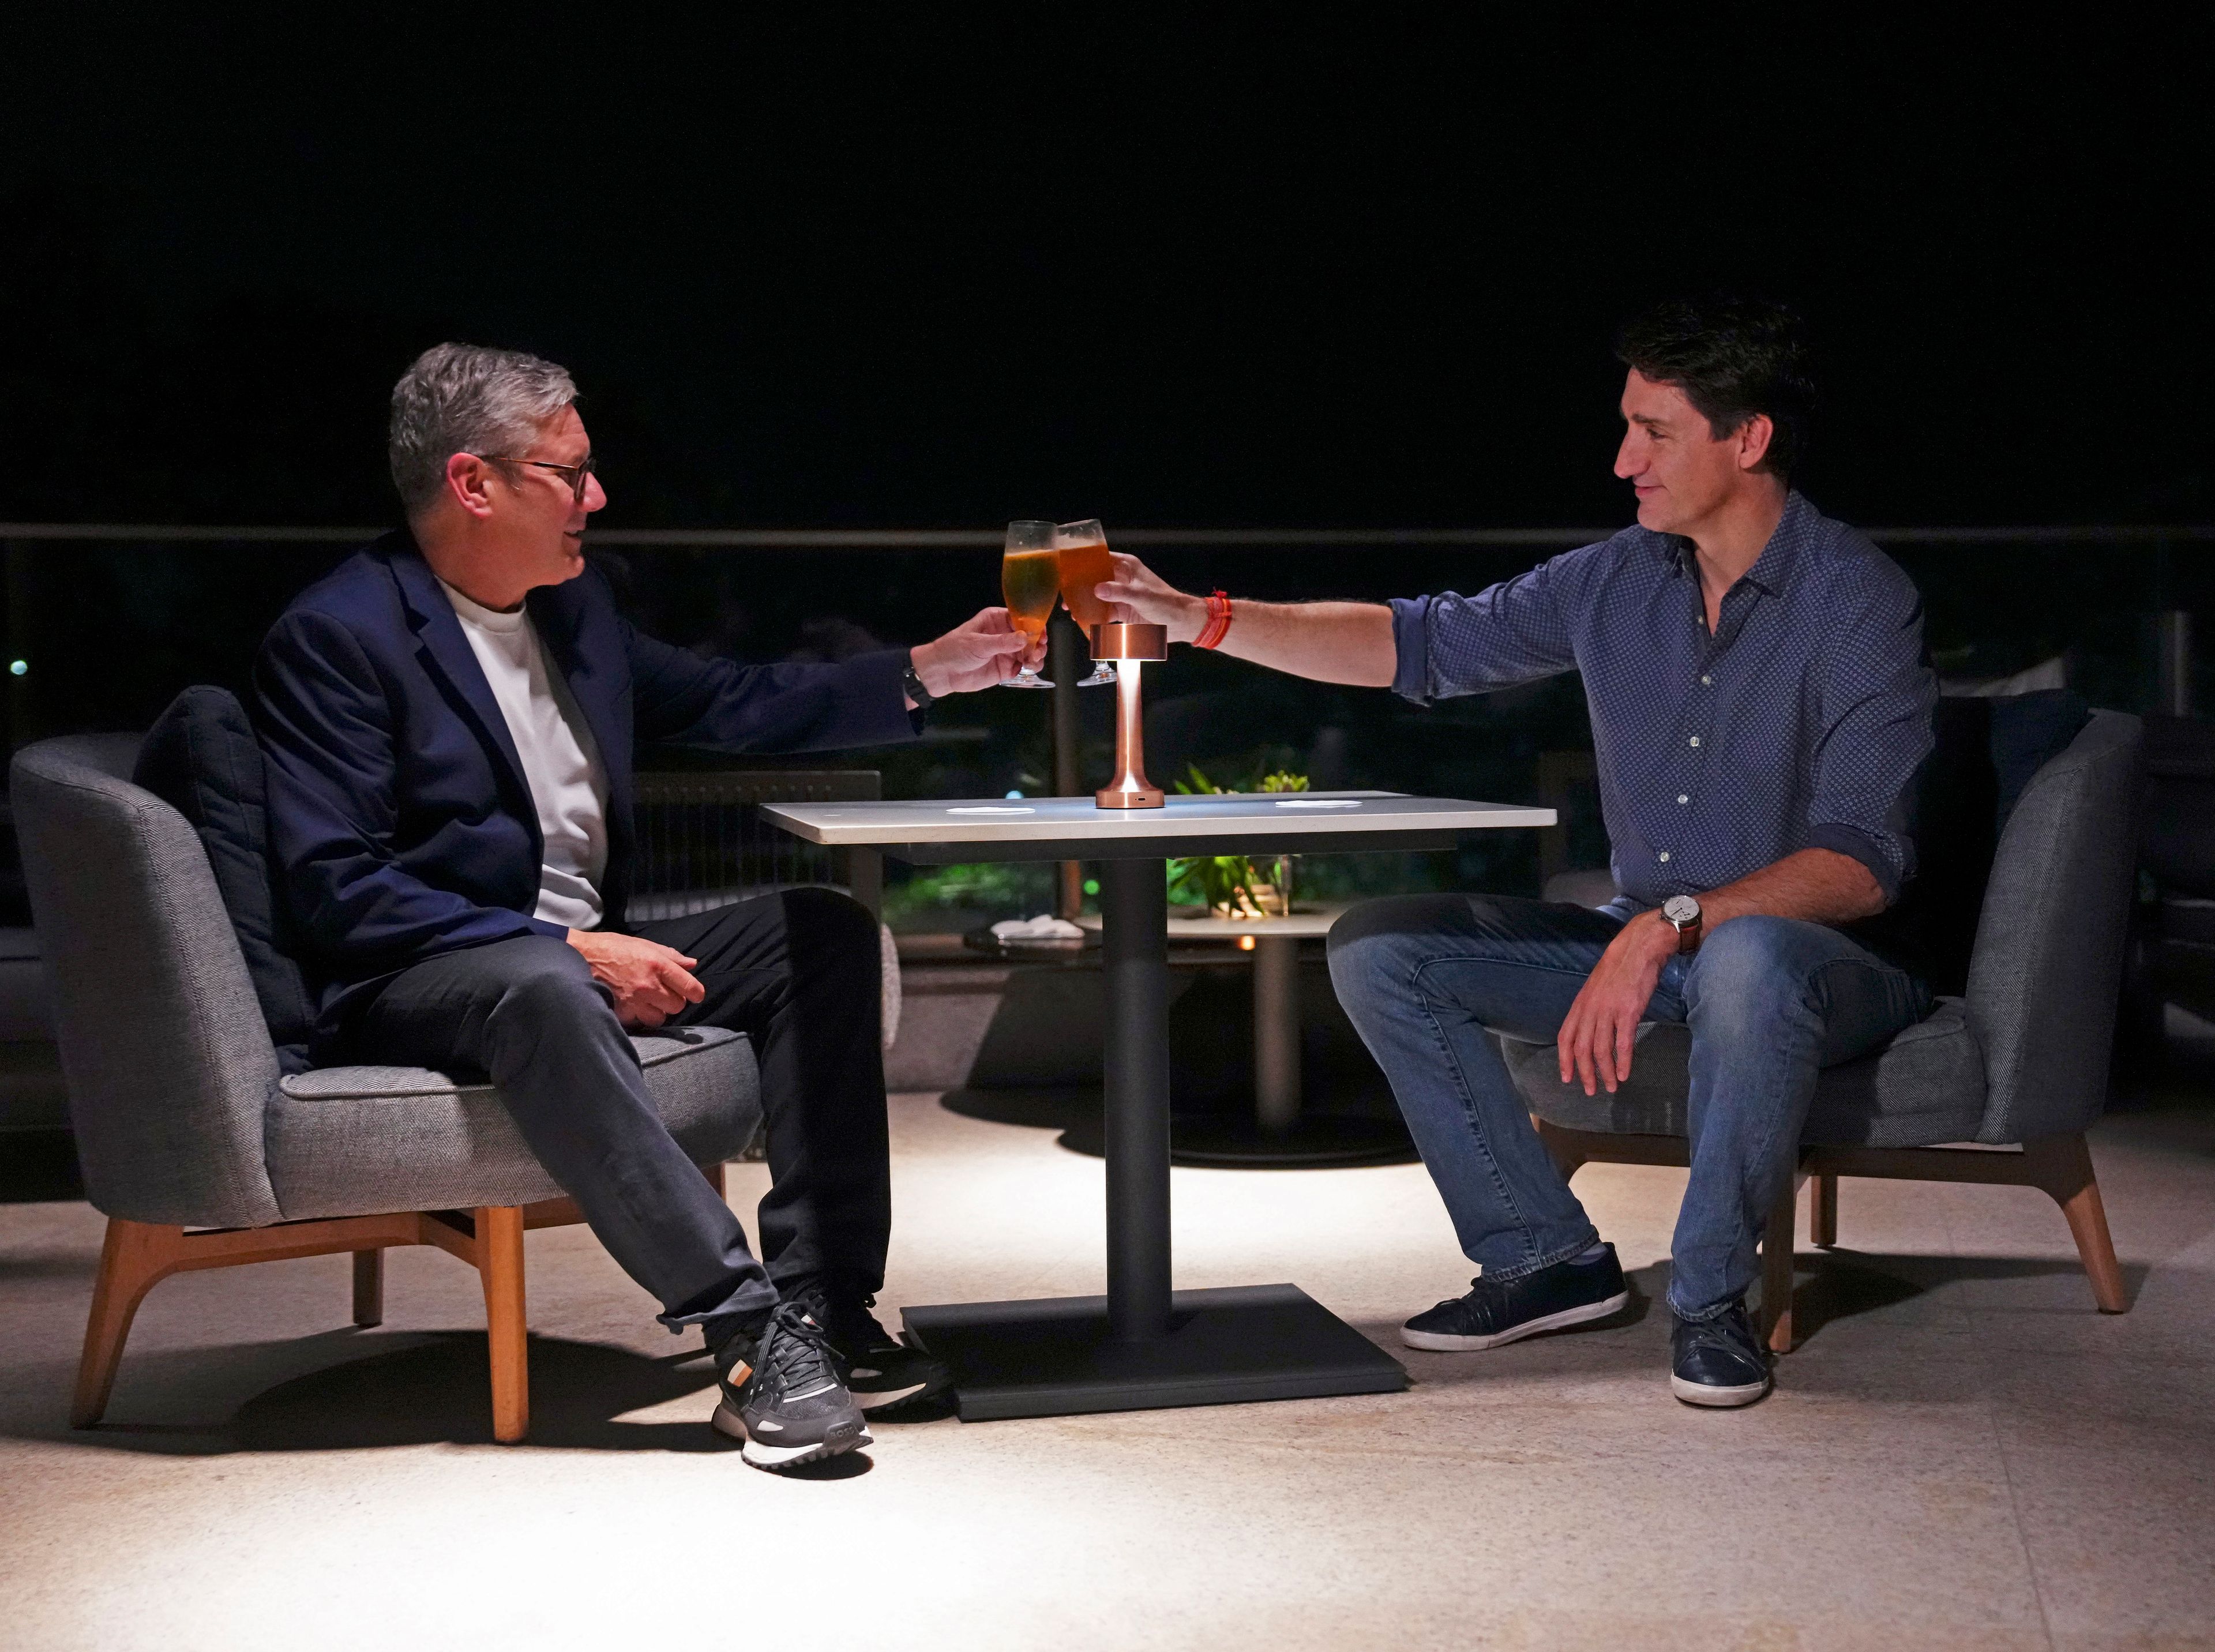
(1733, 357)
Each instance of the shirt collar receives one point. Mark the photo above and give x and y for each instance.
(1773, 569)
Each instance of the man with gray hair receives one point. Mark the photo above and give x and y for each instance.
(449, 720)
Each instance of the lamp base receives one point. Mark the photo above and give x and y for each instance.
(1133, 797)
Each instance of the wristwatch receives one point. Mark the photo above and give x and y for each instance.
(911, 683)
(1681, 914)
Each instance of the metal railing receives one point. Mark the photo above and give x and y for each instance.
(22, 544)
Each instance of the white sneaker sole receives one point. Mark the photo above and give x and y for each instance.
(762, 1455)
(875, 1400)
(1720, 1398)
(1439, 1342)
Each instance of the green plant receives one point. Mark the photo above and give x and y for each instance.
(1232, 883)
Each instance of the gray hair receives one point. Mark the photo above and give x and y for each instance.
(465, 398)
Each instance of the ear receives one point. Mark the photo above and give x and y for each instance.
(1753, 437)
(468, 483)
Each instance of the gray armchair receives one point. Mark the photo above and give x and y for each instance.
(2018, 1063)
(202, 1154)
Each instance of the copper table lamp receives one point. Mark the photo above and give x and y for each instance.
(1129, 644)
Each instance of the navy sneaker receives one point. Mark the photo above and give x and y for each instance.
(783, 1394)
(880, 1372)
(1494, 1313)
(1718, 1361)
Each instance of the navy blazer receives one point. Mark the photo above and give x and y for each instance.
(400, 819)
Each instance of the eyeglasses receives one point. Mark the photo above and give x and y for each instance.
(576, 472)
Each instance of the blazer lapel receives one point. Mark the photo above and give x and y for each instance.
(439, 639)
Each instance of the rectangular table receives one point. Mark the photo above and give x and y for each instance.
(1144, 1344)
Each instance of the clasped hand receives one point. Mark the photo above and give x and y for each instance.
(651, 982)
(1595, 1037)
(979, 652)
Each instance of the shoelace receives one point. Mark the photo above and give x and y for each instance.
(1733, 1333)
(794, 1359)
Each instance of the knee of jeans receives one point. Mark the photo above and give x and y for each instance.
(1745, 968)
(1364, 943)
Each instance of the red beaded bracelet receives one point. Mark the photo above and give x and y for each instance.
(1218, 622)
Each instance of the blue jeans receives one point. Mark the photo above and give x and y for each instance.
(1770, 1001)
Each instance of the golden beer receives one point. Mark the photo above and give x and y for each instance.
(1030, 581)
(1082, 567)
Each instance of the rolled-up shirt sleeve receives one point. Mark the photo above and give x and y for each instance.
(1878, 696)
(1510, 632)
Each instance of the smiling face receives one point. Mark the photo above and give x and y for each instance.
(534, 519)
(1684, 474)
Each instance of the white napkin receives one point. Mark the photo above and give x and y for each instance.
(1043, 927)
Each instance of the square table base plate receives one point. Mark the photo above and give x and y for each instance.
(1056, 1358)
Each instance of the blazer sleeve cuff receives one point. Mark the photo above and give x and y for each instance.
(874, 699)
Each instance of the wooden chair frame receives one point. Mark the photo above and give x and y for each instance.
(137, 1255)
(2058, 1166)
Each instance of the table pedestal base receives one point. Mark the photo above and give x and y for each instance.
(1057, 1357)
(1313, 1141)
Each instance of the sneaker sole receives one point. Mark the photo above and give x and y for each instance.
(1440, 1342)
(878, 1400)
(1719, 1398)
(839, 1440)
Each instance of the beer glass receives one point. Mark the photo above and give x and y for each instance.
(1081, 549)
(1030, 581)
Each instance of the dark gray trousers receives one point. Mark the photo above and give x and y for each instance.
(797, 972)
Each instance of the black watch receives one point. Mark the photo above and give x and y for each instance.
(911, 680)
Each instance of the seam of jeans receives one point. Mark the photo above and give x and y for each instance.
(1710, 1316)
(1524, 1270)
(1468, 1110)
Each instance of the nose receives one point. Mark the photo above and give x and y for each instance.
(596, 497)
(1629, 458)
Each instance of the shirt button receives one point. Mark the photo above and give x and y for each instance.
(1665, 854)
(1705, 678)
(1682, 798)
(1695, 740)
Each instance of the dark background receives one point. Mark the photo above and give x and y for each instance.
(944, 266)
(948, 264)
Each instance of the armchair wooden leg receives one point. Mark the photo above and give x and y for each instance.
(500, 1260)
(715, 1175)
(368, 1288)
(1776, 1238)
(1823, 1210)
(133, 1258)
(2061, 1167)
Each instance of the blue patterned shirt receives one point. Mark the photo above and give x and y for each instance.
(1799, 725)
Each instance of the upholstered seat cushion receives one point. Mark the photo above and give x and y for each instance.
(1924, 1087)
(352, 1141)
(201, 758)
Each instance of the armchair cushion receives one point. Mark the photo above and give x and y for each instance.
(1926, 1086)
(201, 758)
(353, 1141)
(1987, 750)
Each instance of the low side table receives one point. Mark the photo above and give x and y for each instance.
(1143, 1344)
(1279, 1133)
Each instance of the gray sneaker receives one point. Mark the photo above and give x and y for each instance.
(783, 1394)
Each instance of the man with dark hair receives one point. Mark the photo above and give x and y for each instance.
(1760, 704)
(449, 719)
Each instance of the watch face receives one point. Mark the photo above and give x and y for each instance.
(1680, 910)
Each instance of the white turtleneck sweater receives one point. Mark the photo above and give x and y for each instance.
(560, 761)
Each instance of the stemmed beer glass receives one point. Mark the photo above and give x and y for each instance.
(1030, 581)
(1081, 549)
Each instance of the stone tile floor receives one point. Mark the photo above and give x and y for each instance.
(1961, 1454)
